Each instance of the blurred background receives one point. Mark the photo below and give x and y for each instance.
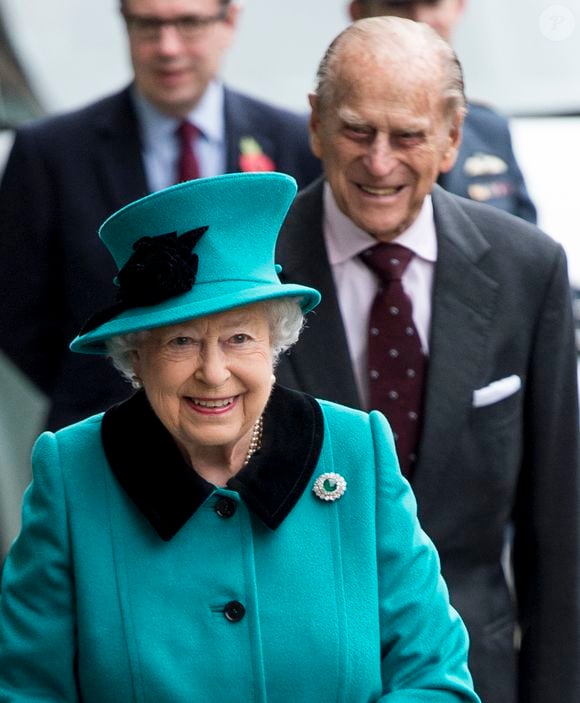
(521, 56)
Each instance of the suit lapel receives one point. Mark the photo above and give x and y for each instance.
(464, 301)
(242, 121)
(118, 154)
(234, 125)
(322, 354)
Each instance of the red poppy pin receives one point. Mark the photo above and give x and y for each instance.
(252, 158)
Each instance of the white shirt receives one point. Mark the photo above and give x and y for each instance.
(356, 285)
(160, 142)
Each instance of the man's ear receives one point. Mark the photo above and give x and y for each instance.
(233, 13)
(314, 125)
(229, 26)
(355, 10)
(453, 137)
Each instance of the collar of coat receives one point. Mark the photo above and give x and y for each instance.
(151, 469)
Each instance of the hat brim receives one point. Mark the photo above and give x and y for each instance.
(224, 296)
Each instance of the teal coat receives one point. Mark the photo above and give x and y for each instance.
(135, 580)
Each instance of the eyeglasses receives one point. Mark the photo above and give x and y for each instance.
(146, 28)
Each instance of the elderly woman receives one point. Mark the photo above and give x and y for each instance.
(215, 537)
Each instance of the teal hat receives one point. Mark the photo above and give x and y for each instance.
(194, 249)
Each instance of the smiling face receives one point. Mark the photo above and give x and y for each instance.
(172, 70)
(208, 381)
(383, 136)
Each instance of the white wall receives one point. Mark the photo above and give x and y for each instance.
(548, 150)
(73, 50)
(280, 45)
(522, 55)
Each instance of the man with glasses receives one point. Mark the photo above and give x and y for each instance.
(486, 168)
(67, 173)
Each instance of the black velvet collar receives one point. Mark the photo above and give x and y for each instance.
(151, 469)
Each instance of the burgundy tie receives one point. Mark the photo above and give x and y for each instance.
(395, 361)
(187, 166)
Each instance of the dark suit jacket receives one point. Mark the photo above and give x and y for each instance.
(501, 307)
(486, 169)
(65, 175)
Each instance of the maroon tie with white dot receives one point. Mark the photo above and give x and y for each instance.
(396, 363)
(187, 166)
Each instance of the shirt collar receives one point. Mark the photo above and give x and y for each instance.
(345, 240)
(147, 463)
(207, 116)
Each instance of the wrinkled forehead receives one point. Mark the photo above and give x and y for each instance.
(387, 99)
(405, 115)
(236, 318)
(383, 70)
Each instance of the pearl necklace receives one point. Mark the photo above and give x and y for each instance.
(256, 441)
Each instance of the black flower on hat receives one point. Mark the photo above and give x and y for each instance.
(159, 268)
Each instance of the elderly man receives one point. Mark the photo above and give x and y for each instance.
(486, 168)
(67, 173)
(454, 318)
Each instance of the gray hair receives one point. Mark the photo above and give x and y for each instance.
(405, 39)
(285, 319)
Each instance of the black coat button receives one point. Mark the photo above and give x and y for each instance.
(234, 611)
(226, 507)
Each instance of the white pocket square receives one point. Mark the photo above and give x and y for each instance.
(496, 391)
